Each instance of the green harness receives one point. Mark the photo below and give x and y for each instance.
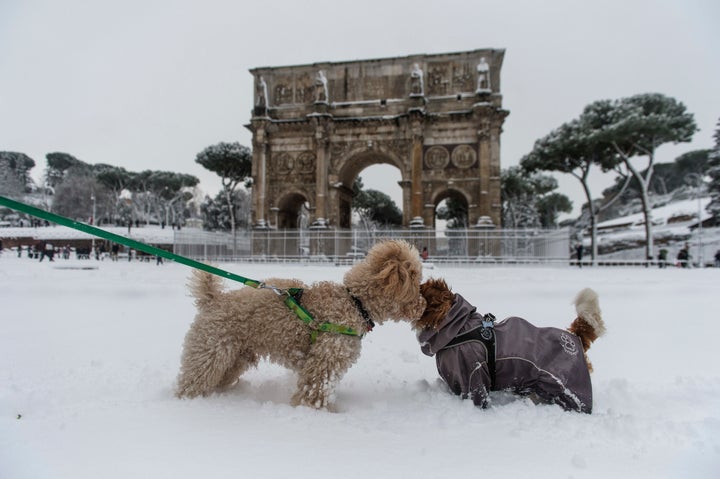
(289, 296)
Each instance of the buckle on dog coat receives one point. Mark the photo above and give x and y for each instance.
(485, 333)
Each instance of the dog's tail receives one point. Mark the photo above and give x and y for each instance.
(205, 287)
(588, 325)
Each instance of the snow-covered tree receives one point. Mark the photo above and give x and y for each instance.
(454, 211)
(518, 208)
(233, 163)
(374, 208)
(15, 169)
(216, 215)
(714, 172)
(571, 148)
(528, 200)
(549, 206)
(636, 127)
(611, 134)
(73, 198)
(60, 165)
(161, 195)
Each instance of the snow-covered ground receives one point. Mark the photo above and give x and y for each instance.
(88, 360)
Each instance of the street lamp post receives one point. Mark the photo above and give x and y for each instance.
(92, 241)
(700, 222)
(698, 183)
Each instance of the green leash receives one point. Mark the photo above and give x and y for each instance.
(287, 295)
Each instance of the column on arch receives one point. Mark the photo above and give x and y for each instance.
(321, 177)
(260, 174)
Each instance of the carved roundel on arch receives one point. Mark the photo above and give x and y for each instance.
(306, 162)
(437, 157)
(463, 156)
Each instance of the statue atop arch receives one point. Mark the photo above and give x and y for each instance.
(261, 95)
(483, 77)
(417, 83)
(321, 87)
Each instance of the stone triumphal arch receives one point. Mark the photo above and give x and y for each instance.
(437, 118)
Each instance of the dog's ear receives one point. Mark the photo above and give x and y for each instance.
(439, 298)
(399, 270)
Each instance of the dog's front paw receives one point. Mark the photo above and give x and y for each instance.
(314, 396)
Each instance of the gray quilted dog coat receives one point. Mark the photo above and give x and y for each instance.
(546, 362)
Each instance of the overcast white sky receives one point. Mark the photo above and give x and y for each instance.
(148, 84)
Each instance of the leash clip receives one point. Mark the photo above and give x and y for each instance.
(276, 290)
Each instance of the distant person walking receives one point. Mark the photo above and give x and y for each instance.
(424, 255)
(579, 248)
(47, 250)
(717, 259)
(662, 258)
(683, 256)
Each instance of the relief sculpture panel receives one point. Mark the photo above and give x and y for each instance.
(438, 78)
(282, 163)
(463, 78)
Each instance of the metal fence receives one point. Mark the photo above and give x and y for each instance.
(344, 246)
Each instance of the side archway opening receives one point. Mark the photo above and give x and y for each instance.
(451, 210)
(291, 211)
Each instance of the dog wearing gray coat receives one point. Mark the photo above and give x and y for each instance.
(475, 355)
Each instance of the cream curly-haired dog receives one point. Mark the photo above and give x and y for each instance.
(233, 330)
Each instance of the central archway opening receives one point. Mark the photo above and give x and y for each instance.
(371, 195)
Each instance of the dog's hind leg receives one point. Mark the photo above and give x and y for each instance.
(243, 362)
(206, 364)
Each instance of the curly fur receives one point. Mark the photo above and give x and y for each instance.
(233, 330)
(588, 325)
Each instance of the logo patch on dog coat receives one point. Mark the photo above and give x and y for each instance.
(568, 345)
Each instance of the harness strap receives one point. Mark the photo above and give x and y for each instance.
(484, 334)
(291, 297)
